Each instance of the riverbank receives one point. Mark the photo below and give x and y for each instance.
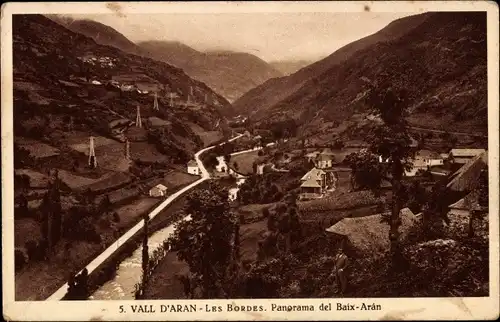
(104, 277)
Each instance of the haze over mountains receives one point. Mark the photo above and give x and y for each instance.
(287, 67)
(229, 73)
(440, 58)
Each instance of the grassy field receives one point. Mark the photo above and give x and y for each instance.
(40, 279)
(36, 149)
(146, 152)
(245, 162)
(110, 181)
(210, 137)
(26, 229)
(37, 180)
(110, 154)
(128, 213)
(77, 182)
(176, 179)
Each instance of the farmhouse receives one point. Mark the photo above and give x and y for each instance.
(316, 174)
(368, 235)
(324, 161)
(192, 167)
(466, 177)
(429, 158)
(310, 189)
(158, 191)
(462, 156)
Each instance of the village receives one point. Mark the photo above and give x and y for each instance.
(134, 181)
(320, 177)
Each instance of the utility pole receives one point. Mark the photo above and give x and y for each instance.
(127, 149)
(155, 104)
(92, 158)
(138, 121)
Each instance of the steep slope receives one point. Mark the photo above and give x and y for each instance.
(229, 73)
(101, 33)
(273, 91)
(288, 67)
(59, 73)
(440, 58)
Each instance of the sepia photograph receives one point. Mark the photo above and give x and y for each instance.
(236, 160)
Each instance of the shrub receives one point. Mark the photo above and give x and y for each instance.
(20, 259)
(32, 250)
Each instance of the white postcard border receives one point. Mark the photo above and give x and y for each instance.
(399, 308)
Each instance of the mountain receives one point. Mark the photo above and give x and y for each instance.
(287, 67)
(229, 73)
(101, 33)
(273, 91)
(440, 58)
(60, 74)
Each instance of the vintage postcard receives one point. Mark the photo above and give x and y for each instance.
(250, 161)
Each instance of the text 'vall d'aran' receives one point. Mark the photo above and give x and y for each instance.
(180, 308)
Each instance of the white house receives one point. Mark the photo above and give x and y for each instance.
(192, 167)
(429, 158)
(158, 191)
(324, 161)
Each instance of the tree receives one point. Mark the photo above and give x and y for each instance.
(145, 252)
(235, 165)
(338, 144)
(205, 242)
(52, 214)
(23, 203)
(78, 286)
(366, 170)
(227, 158)
(210, 161)
(391, 141)
(105, 205)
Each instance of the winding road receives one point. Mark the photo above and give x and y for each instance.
(205, 175)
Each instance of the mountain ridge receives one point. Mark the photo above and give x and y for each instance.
(437, 58)
(227, 72)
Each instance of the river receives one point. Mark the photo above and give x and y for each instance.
(129, 273)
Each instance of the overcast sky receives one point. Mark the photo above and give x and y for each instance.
(270, 36)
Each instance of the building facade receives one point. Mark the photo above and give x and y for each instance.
(158, 191)
(192, 168)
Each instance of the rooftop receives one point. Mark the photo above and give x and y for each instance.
(466, 152)
(369, 234)
(465, 177)
(314, 173)
(192, 163)
(310, 183)
(427, 154)
(160, 186)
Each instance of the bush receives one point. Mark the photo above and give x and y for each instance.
(20, 259)
(32, 250)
